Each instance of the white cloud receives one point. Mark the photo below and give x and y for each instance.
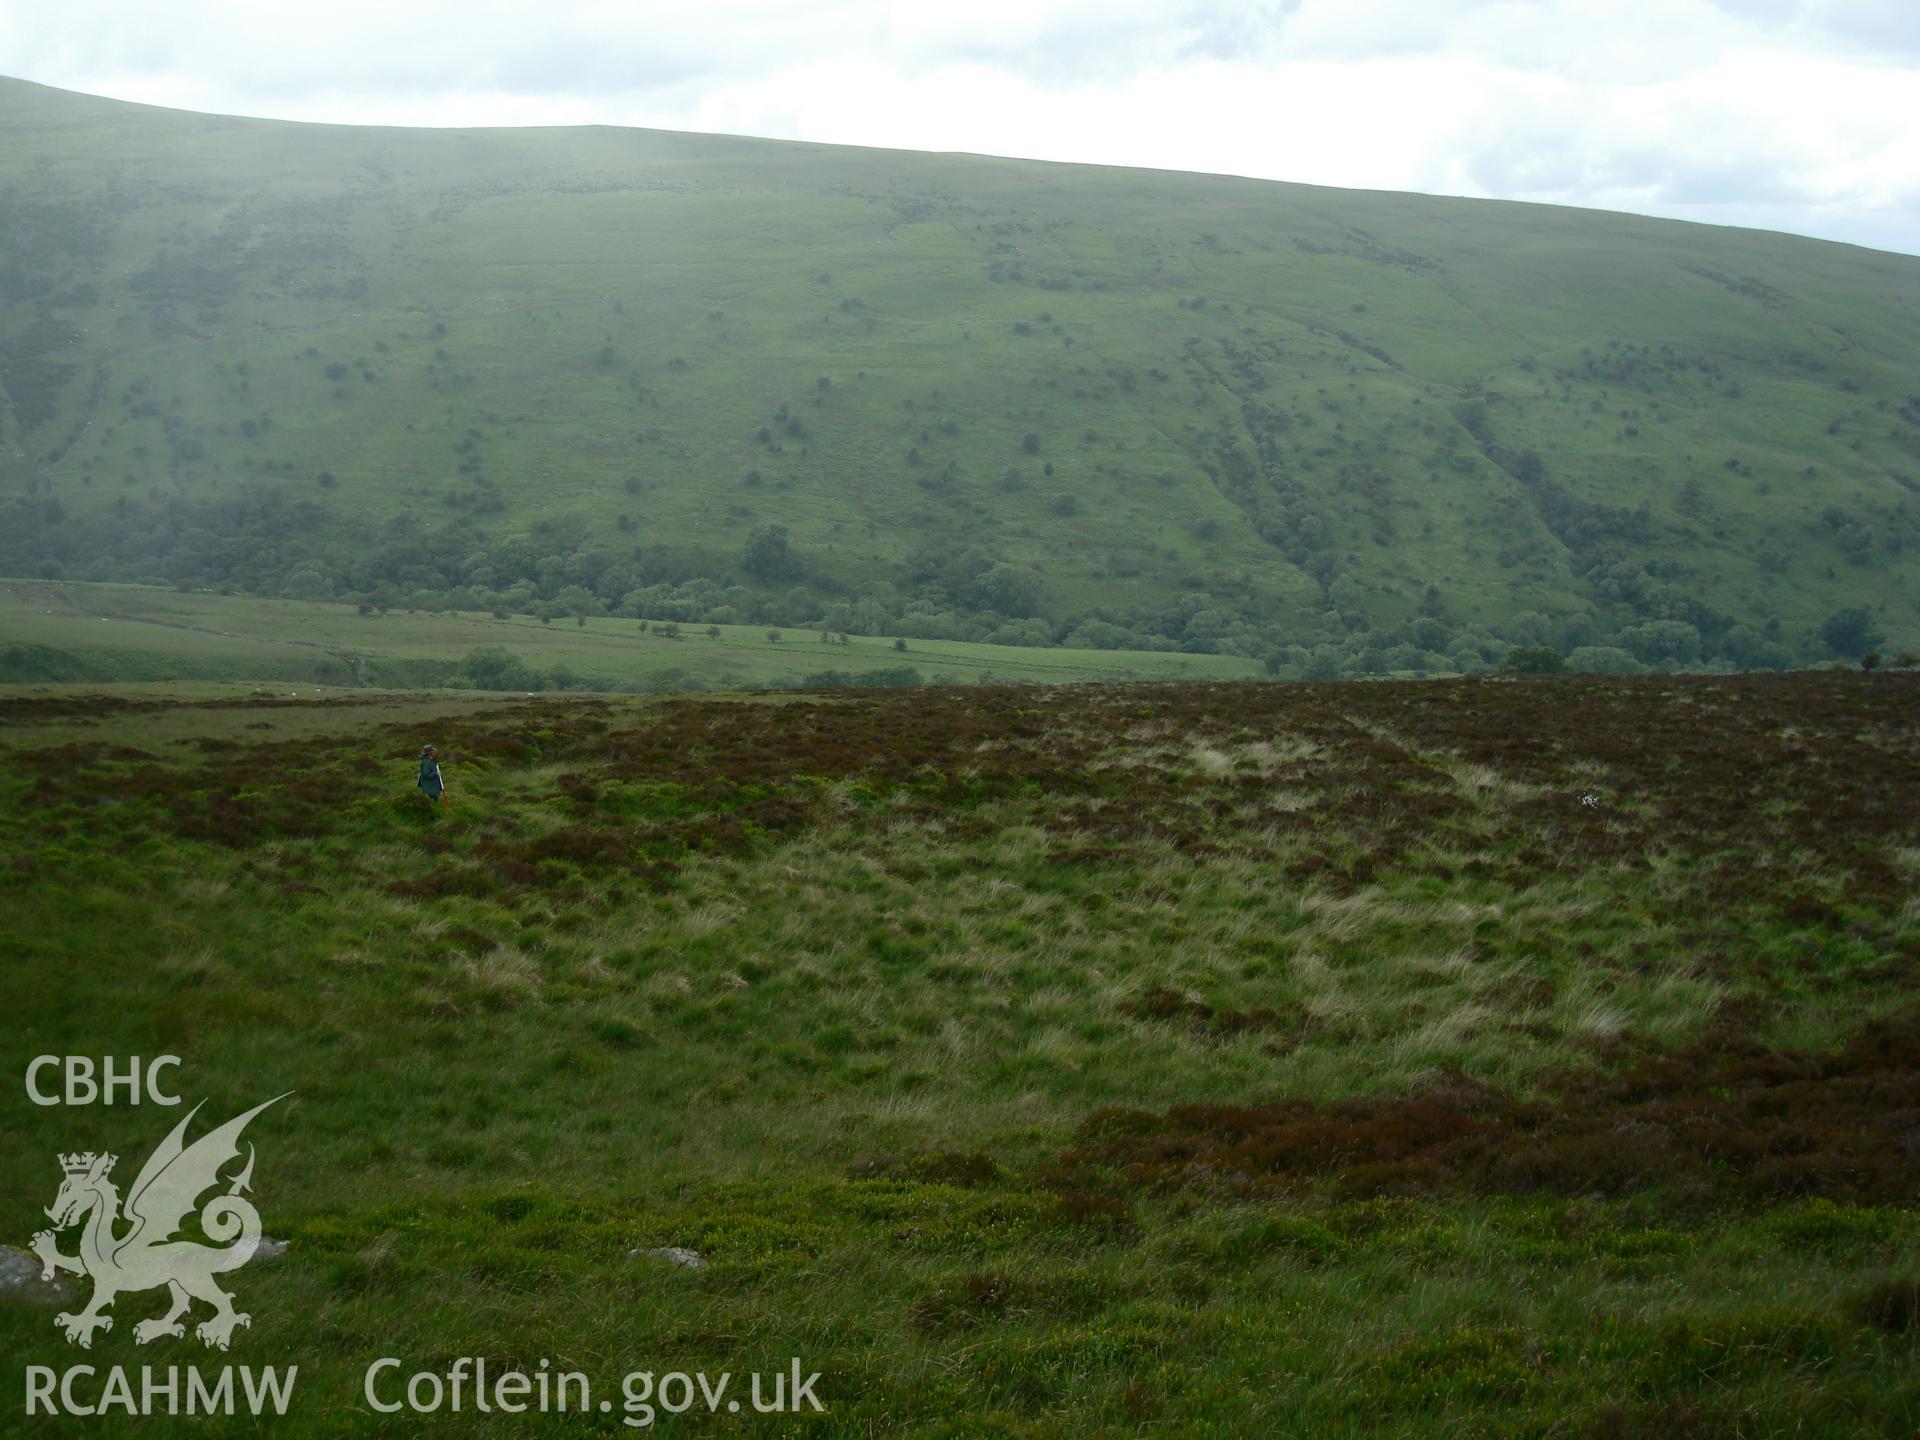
(1791, 114)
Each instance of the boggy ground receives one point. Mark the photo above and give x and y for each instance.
(1457, 1057)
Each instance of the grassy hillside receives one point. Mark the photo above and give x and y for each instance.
(1439, 1059)
(723, 380)
(62, 632)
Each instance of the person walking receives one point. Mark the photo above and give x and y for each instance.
(431, 783)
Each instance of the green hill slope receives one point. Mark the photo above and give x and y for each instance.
(725, 380)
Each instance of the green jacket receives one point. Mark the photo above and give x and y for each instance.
(430, 780)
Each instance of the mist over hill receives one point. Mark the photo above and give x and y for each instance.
(719, 380)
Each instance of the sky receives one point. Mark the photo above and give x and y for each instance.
(1796, 115)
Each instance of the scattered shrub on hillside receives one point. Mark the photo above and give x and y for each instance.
(1851, 632)
(1533, 660)
(767, 555)
(1603, 660)
(494, 667)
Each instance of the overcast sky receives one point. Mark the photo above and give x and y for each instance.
(1800, 115)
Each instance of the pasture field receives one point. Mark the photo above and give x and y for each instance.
(63, 633)
(1461, 1057)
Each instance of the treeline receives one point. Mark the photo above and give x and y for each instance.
(266, 542)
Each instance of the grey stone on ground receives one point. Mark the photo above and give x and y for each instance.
(20, 1277)
(269, 1248)
(678, 1254)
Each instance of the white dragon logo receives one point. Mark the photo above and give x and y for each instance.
(146, 1255)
